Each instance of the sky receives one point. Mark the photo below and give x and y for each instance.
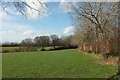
(55, 20)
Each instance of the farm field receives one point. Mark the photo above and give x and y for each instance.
(8, 48)
(54, 64)
(13, 48)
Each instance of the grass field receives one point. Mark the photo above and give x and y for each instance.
(9, 48)
(13, 48)
(54, 64)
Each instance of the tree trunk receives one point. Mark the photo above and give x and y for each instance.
(54, 47)
(118, 39)
(105, 57)
(42, 48)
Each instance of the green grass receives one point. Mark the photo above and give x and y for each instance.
(54, 64)
(13, 48)
(9, 48)
(49, 47)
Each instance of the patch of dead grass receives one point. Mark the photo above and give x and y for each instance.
(100, 60)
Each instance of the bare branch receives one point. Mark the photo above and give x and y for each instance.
(21, 6)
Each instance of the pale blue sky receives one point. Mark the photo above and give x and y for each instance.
(55, 21)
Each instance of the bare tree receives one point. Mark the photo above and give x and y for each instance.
(27, 44)
(20, 6)
(37, 41)
(99, 15)
(42, 41)
(55, 40)
(66, 41)
(102, 18)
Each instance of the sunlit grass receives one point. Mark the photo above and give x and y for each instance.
(54, 64)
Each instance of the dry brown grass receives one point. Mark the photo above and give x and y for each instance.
(101, 60)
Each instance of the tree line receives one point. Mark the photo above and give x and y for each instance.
(48, 41)
(41, 42)
(97, 28)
